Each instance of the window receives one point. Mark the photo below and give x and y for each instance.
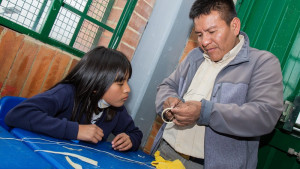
(75, 26)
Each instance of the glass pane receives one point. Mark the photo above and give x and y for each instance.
(64, 26)
(88, 36)
(77, 4)
(97, 9)
(28, 13)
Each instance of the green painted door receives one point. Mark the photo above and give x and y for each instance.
(274, 25)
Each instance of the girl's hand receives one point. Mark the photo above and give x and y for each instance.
(90, 132)
(121, 142)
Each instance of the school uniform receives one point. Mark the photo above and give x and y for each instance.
(50, 113)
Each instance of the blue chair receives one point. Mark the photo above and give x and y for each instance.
(7, 103)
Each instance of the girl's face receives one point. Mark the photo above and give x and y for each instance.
(117, 93)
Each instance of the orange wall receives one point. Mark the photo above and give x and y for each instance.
(136, 27)
(28, 66)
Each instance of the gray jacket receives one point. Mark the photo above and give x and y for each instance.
(246, 103)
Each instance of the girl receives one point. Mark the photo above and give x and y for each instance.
(86, 105)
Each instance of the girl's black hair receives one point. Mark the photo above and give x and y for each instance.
(225, 8)
(92, 76)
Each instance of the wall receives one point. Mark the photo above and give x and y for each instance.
(27, 66)
(135, 27)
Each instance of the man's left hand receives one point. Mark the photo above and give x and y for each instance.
(186, 113)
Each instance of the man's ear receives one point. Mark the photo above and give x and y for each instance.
(236, 25)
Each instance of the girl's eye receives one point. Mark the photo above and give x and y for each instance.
(120, 83)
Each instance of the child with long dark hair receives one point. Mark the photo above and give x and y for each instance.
(86, 105)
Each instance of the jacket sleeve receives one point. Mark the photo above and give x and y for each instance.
(126, 125)
(46, 113)
(261, 110)
(172, 86)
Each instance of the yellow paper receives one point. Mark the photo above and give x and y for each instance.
(161, 163)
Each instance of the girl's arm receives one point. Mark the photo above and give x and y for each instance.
(47, 113)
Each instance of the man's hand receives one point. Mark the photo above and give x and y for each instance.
(121, 142)
(171, 102)
(186, 113)
(90, 132)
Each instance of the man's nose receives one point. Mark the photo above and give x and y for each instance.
(206, 40)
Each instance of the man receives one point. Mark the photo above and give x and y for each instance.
(223, 96)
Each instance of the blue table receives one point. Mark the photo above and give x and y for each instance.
(102, 153)
(15, 154)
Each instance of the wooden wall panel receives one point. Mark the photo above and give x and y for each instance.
(20, 69)
(28, 66)
(57, 70)
(38, 72)
(10, 43)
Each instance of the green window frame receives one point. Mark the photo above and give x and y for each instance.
(45, 23)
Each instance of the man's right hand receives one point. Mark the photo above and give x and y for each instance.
(171, 102)
(90, 132)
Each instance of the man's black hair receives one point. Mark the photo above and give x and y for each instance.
(226, 9)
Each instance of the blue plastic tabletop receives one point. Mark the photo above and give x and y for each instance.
(15, 154)
(54, 151)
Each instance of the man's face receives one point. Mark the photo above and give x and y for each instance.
(215, 37)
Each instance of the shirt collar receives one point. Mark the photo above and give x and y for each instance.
(102, 104)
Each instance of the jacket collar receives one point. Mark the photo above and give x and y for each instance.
(243, 55)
